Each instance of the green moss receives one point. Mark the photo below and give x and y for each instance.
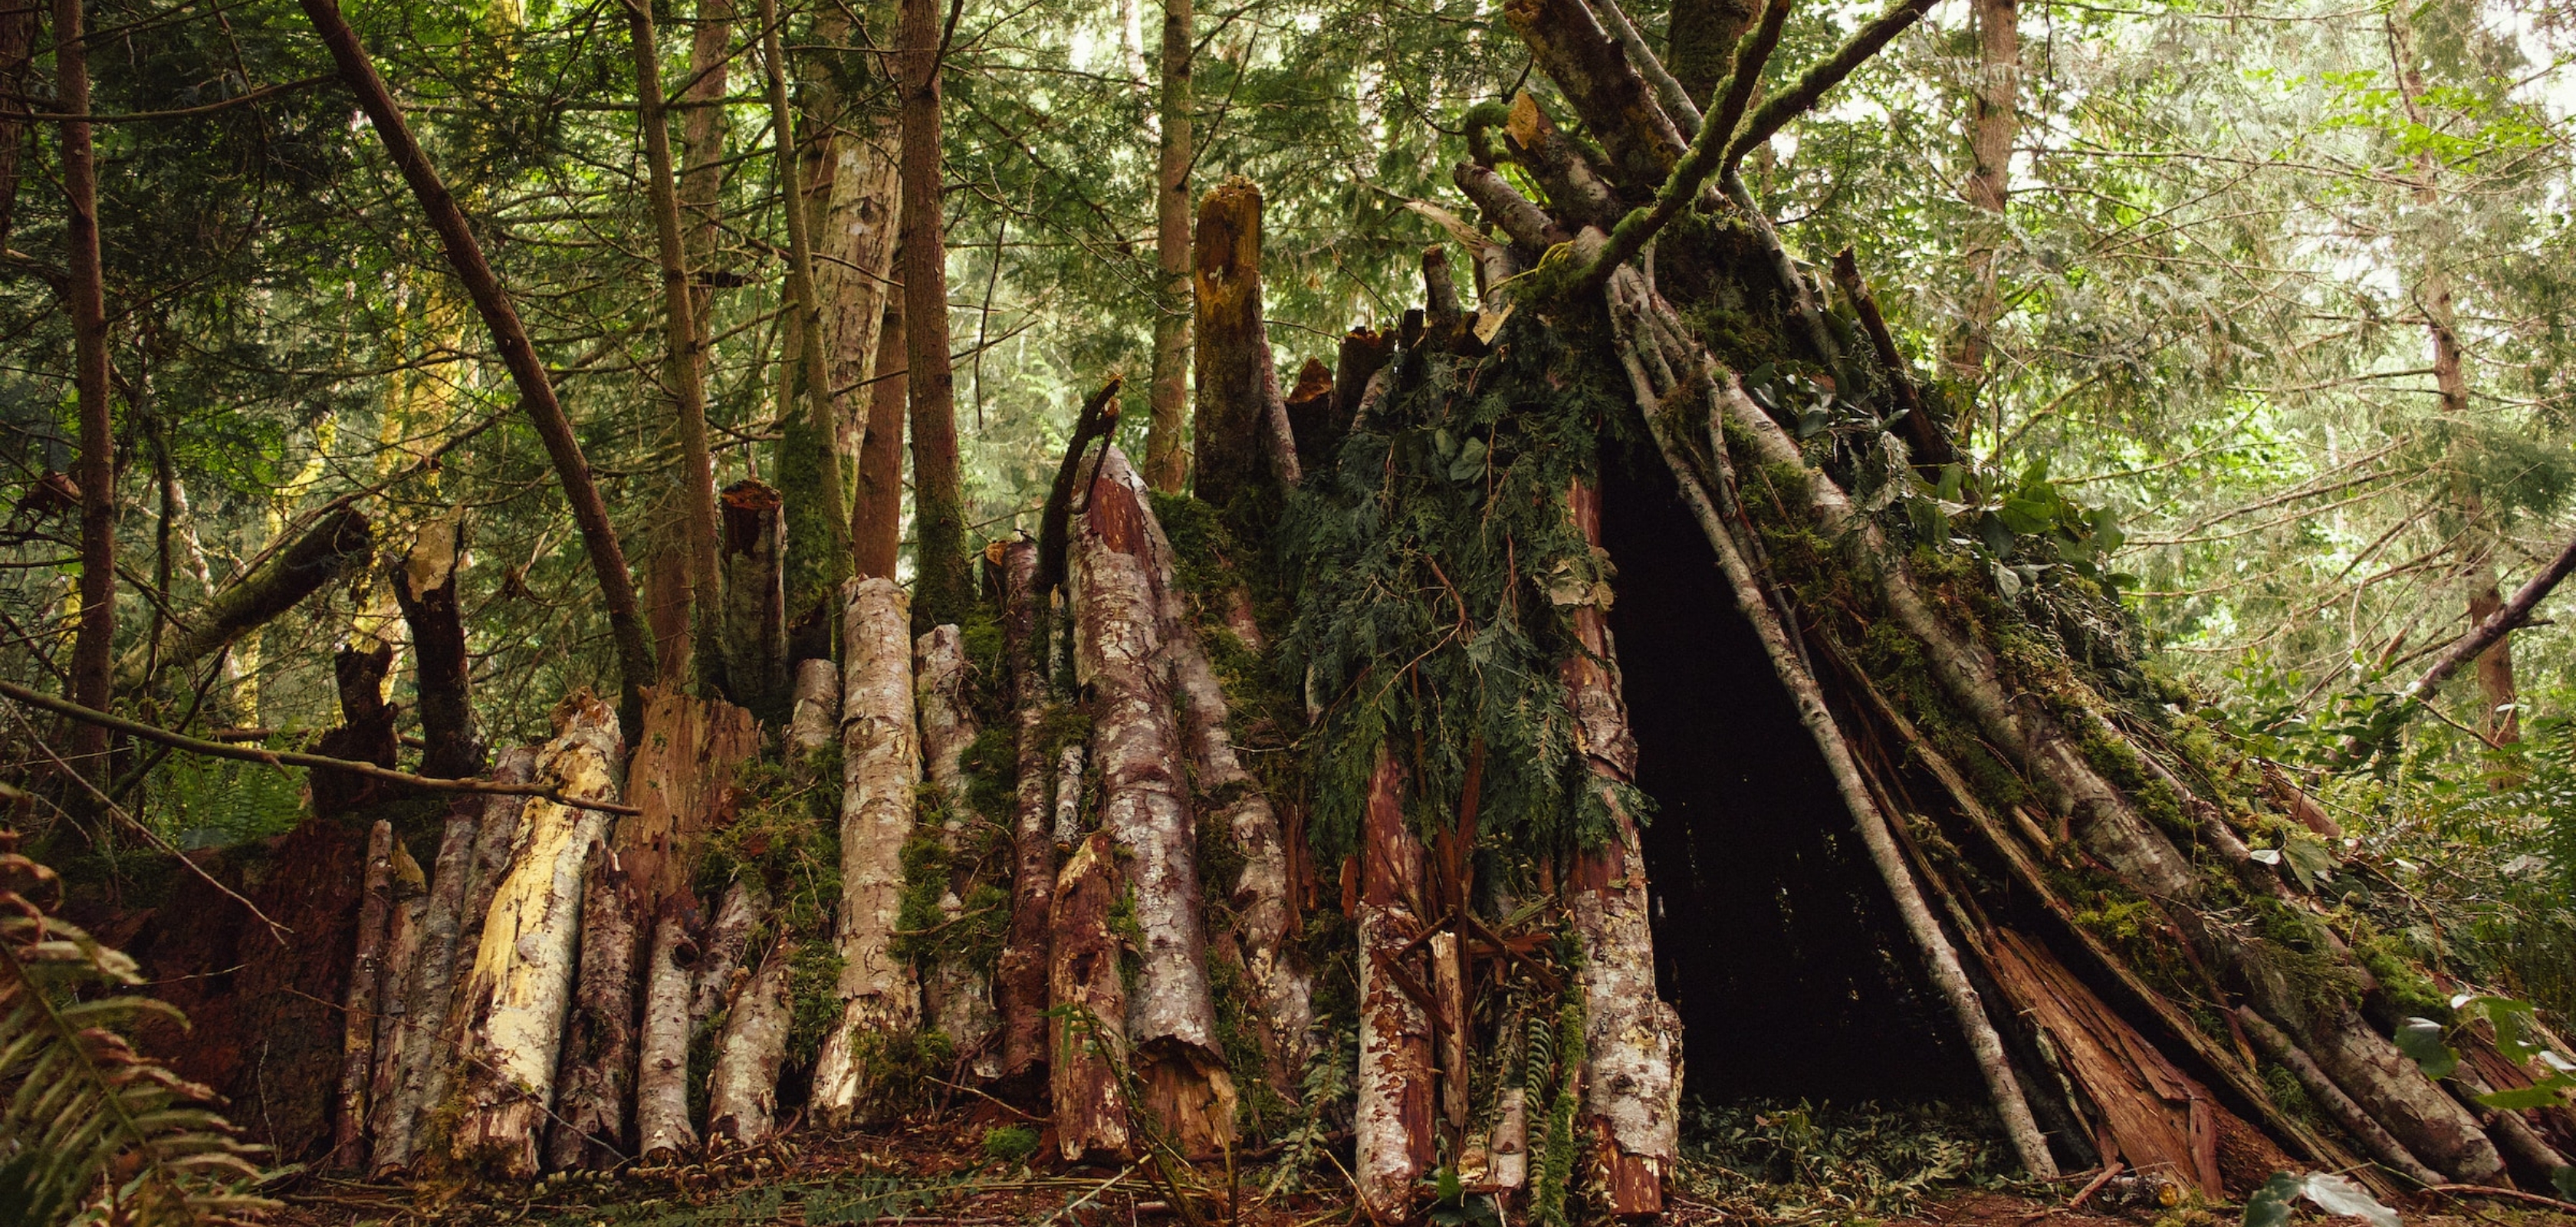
(991, 765)
(2408, 990)
(1010, 1143)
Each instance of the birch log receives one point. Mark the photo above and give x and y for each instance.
(662, 1127)
(1392, 1125)
(959, 998)
(815, 721)
(880, 767)
(742, 1095)
(597, 1071)
(521, 988)
(1069, 764)
(366, 979)
(1087, 1030)
(1020, 979)
(1171, 1019)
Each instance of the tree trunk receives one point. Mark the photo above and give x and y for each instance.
(365, 733)
(339, 541)
(1994, 122)
(850, 183)
(1699, 42)
(754, 625)
(1240, 424)
(1068, 795)
(1392, 1126)
(17, 56)
(702, 134)
(366, 981)
(443, 669)
(1167, 458)
(1020, 979)
(877, 529)
(683, 367)
(596, 1072)
(662, 1128)
(742, 1095)
(636, 663)
(959, 998)
(682, 777)
(815, 721)
(521, 988)
(944, 589)
(1087, 1030)
(394, 1020)
(880, 768)
(94, 644)
(1171, 1024)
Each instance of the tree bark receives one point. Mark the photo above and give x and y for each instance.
(443, 670)
(1605, 89)
(1020, 979)
(1392, 1126)
(1171, 1024)
(596, 1072)
(754, 624)
(850, 184)
(326, 551)
(880, 769)
(1699, 42)
(635, 655)
(683, 367)
(944, 589)
(491, 838)
(17, 56)
(93, 683)
(366, 981)
(742, 1094)
(365, 734)
(877, 530)
(959, 998)
(815, 721)
(1993, 124)
(809, 461)
(1240, 422)
(1167, 458)
(1087, 1029)
(662, 1127)
(681, 778)
(404, 936)
(521, 988)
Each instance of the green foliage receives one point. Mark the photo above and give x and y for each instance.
(1797, 1162)
(1010, 1143)
(97, 1131)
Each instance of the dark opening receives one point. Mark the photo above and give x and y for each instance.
(1774, 937)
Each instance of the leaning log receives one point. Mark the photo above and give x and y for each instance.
(1087, 1029)
(403, 939)
(1145, 808)
(880, 768)
(442, 670)
(662, 1127)
(815, 720)
(277, 583)
(1020, 977)
(742, 1094)
(521, 988)
(366, 979)
(959, 997)
(596, 1073)
(1392, 1126)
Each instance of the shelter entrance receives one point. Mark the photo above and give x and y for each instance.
(1774, 938)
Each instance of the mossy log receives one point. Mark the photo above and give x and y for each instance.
(277, 582)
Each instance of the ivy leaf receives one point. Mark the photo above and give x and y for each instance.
(2421, 1039)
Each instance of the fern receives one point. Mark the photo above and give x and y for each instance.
(95, 1131)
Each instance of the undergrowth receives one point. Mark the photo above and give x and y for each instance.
(1780, 1162)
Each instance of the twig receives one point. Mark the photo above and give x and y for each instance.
(2085, 1194)
(2481, 1190)
(292, 758)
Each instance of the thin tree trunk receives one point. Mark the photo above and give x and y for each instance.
(1240, 419)
(17, 56)
(809, 462)
(943, 589)
(849, 181)
(1392, 1125)
(1020, 979)
(366, 980)
(635, 656)
(94, 644)
(1068, 795)
(754, 622)
(880, 770)
(877, 529)
(427, 1078)
(1087, 1029)
(683, 369)
(1167, 458)
(340, 540)
(702, 133)
(521, 990)
(443, 670)
(1993, 124)
(1171, 1024)
(596, 1072)
(959, 997)
(662, 1127)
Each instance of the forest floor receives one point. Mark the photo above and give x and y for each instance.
(933, 1171)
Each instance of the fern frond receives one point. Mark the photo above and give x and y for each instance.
(94, 1130)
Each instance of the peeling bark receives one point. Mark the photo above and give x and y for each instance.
(682, 778)
(521, 988)
(1171, 1023)
(1087, 1035)
(1020, 978)
(880, 767)
(597, 1069)
(742, 1094)
(1392, 1126)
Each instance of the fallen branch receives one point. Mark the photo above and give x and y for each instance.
(1799, 98)
(2468, 648)
(2487, 1190)
(291, 758)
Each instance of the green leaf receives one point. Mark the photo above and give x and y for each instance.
(2421, 1040)
(2270, 1205)
(2024, 514)
(1470, 463)
(2541, 1096)
(2564, 1180)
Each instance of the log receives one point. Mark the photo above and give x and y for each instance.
(442, 670)
(1529, 226)
(366, 979)
(1507, 1164)
(595, 1076)
(959, 996)
(1118, 645)
(338, 542)
(662, 1128)
(1392, 1126)
(754, 627)
(876, 527)
(681, 783)
(2330, 1098)
(1310, 414)
(1020, 977)
(393, 1001)
(1087, 1034)
(520, 991)
(880, 767)
(1069, 764)
(1239, 422)
(1613, 101)
(742, 1094)
(718, 970)
(815, 720)
(1579, 194)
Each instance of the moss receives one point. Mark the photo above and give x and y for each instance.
(1258, 1105)
(2408, 990)
(813, 998)
(1220, 862)
(991, 765)
(899, 1069)
(1010, 1143)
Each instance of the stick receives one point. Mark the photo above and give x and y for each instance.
(2486, 1190)
(2085, 1194)
(292, 758)
(2469, 647)
(1798, 98)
